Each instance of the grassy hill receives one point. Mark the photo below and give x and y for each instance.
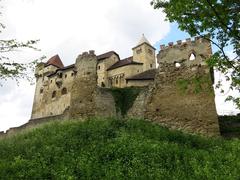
(116, 149)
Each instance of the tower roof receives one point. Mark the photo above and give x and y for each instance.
(55, 61)
(143, 40)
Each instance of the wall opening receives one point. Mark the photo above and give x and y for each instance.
(54, 94)
(177, 64)
(64, 91)
(192, 57)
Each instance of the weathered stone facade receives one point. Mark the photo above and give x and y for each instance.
(180, 96)
(87, 100)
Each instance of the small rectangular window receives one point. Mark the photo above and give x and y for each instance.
(150, 65)
(99, 67)
(65, 75)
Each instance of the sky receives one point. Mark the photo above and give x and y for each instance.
(70, 27)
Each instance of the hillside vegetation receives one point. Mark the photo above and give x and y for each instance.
(116, 149)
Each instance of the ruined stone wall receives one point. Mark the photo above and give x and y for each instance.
(86, 99)
(181, 52)
(183, 98)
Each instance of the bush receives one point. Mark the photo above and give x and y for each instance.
(116, 149)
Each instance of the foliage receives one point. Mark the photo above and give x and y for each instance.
(230, 125)
(197, 84)
(9, 68)
(116, 149)
(124, 98)
(220, 20)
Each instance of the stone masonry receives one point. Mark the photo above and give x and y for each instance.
(87, 100)
(180, 97)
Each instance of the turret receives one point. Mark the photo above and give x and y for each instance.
(144, 52)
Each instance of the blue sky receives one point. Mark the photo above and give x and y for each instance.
(174, 35)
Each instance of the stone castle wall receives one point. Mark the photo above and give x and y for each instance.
(181, 97)
(87, 100)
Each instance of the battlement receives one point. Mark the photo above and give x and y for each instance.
(195, 40)
(87, 54)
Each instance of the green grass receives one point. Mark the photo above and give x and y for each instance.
(116, 149)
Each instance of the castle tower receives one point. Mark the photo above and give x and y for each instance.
(144, 52)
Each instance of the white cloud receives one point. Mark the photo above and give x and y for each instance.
(67, 28)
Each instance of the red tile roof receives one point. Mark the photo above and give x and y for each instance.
(55, 61)
(146, 75)
(124, 62)
(106, 55)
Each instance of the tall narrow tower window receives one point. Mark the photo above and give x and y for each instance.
(54, 94)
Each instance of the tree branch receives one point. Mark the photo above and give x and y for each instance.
(219, 18)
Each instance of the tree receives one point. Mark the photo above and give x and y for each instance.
(220, 19)
(10, 68)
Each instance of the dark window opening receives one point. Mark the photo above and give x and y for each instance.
(72, 74)
(65, 75)
(64, 91)
(116, 81)
(150, 51)
(99, 67)
(54, 94)
(150, 65)
(60, 75)
(102, 84)
(139, 51)
(41, 91)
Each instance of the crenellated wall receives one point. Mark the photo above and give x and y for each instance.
(180, 52)
(181, 96)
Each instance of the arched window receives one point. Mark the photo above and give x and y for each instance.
(192, 56)
(64, 91)
(54, 94)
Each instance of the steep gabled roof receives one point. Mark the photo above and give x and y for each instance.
(124, 62)
(55, 61)
(106, 55)
(146, 75)
(72, 66)
(142, 41)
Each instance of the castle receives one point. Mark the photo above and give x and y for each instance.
(178, 94)
(55, 78)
